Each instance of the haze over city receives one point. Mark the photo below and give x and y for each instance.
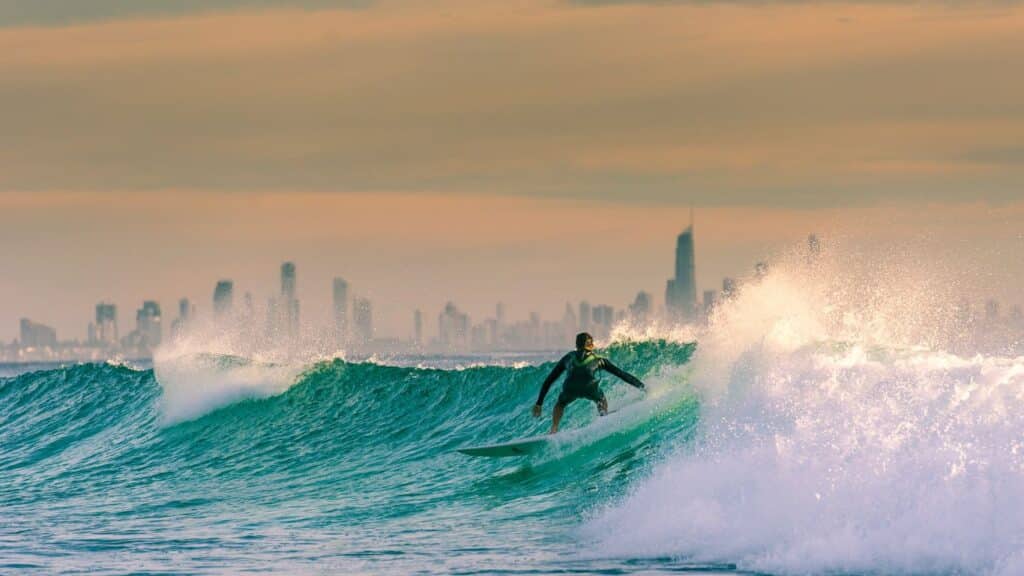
(483, 152)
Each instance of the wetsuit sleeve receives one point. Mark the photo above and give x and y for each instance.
(621, 374)
(555, 373)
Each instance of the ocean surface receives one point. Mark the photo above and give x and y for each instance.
(768, 446)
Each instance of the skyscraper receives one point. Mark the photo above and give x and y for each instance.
(148, 321)
(569, 320)
(106, 324)
(604, 318)
(340, 293)
(223, 300)
(35, 335)
(991, 310)
(185, 312)
(417, 327)
(185, 309)
(248, 308)
(362, 317)
(453, 327)
(640, 309)
(585, 316)
(813, 248)
(290, 305)
(709, 303)
(288, 280)
(681, 292)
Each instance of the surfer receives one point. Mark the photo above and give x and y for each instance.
(581, 368)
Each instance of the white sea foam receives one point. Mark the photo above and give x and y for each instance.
(207, 370)
(838, 435)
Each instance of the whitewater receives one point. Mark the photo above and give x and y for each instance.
(830, 419)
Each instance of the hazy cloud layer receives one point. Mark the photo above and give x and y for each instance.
(797, 105)
(65, 12)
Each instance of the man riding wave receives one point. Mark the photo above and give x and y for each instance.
(581, 367)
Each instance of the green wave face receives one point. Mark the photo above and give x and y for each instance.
(351, 469)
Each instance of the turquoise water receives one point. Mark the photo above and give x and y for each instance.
(788, 457)
(347, 468)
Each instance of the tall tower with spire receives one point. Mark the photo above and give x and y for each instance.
(681, 292)
(289, 303)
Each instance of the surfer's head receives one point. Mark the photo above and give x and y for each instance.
(584, 341)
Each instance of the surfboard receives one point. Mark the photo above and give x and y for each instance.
(521, 447)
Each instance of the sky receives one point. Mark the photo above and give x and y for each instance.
(531, 152)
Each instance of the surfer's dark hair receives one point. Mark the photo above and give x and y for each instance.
(581, 340)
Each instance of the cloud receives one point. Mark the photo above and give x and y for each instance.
(1008, 155)
(67, 12)
(725, 104)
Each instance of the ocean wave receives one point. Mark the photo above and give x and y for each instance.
(838, 434)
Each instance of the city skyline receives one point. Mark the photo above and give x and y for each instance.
(536, 263)
(456, 330)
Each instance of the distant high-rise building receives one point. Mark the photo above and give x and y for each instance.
(223, 300)
(681, 291)
(35, 335)
(248, 307)
(728, 287)
(493, 335)
(569, 321)
(499, 314)
(603, 319)
(185, 309)
(709, 303)
(640, 309)
(362, 318)
(289, 303)
(273, 317)
(991, 310)
(288, 280)
(106, 324)
(813, 248)
(417, 327)
(292, 317)
(585, 316)
(340, 297)
(185, 312)
(148, 322)
(453, 327)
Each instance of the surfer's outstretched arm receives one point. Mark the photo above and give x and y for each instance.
(622, 374)
(555, 373)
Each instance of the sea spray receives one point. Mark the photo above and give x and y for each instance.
(196, 384)
(209, 368)
(839, 435)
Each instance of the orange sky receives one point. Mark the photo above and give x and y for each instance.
(469, 145)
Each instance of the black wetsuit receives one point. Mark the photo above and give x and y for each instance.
(581, 378)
